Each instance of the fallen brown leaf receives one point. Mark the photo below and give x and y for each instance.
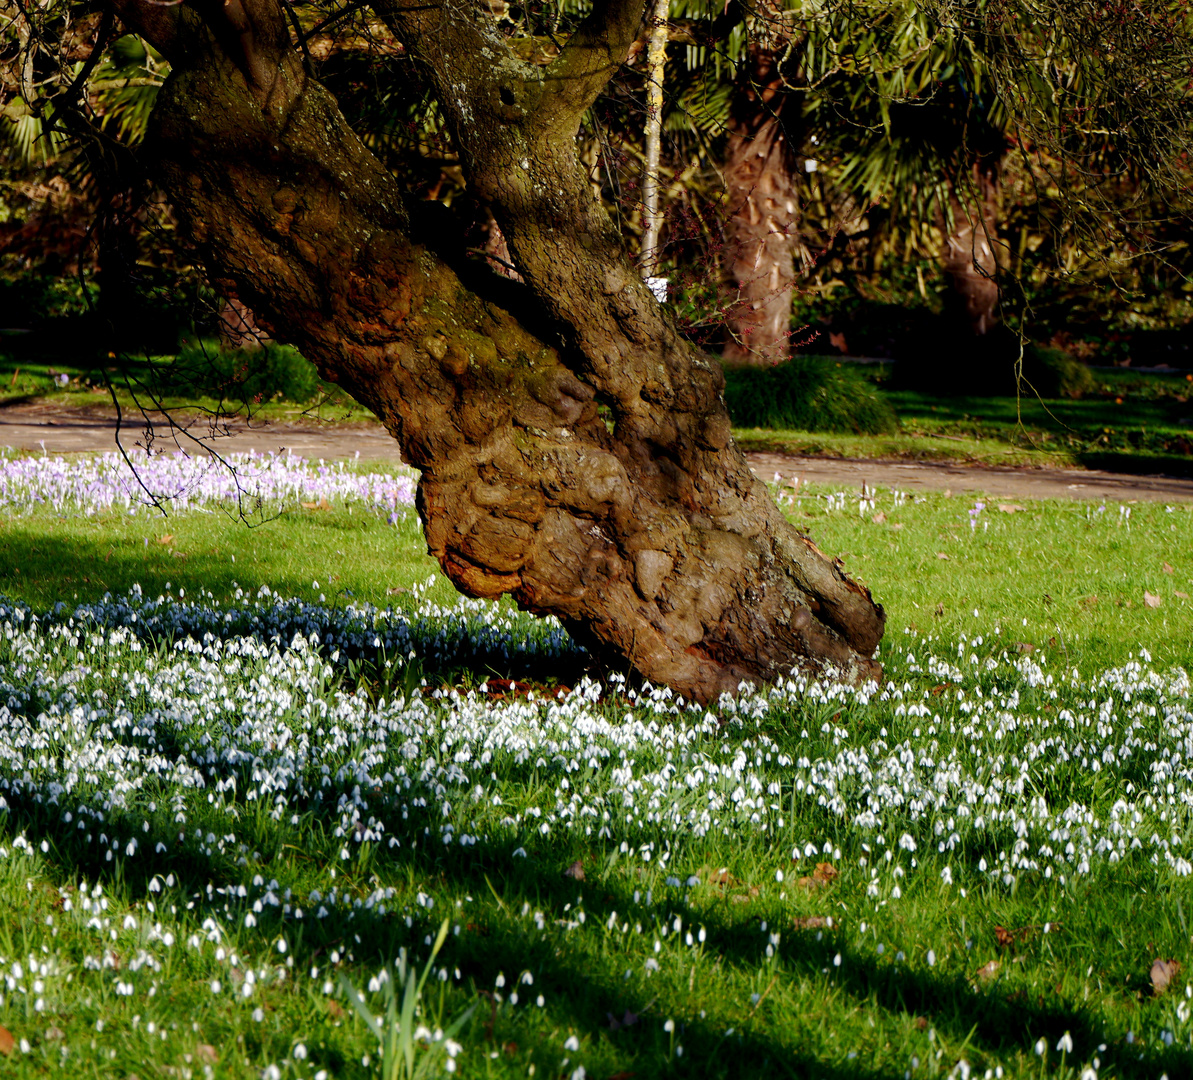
(824, 874)
(1024, 647)
(987, 971)
(322, 504)
(1151, 601)
(7, 1042)
(921, 1023)
(1010, 508)
(1168, 568)
(336, 1009)
(879, 518)
(576, 870)
(809, 922)
(720, 877)
(168, 538)
(939, 609)
(897, 525)
(1162, 973)
(1182, 595)
(942, 555)
(206, 1052)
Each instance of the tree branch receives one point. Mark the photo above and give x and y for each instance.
(593, 53)
(158, 23)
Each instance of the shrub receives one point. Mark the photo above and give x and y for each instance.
(941, 362)
(249, 375)
(807, 393)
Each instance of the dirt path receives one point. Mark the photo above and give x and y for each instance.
(33, 426)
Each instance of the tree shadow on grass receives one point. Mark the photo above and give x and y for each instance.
(584, 988)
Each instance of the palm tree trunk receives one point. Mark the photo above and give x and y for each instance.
(970, 262)
(762, 232)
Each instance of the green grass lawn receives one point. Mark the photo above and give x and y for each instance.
(1130, 423)
(211, 827)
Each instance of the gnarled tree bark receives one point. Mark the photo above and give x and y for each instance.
(642, 529)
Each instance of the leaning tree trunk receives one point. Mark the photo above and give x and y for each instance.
(970, 263)
(648, 535)
(762, 229)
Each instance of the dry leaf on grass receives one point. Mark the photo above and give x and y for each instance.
(7, 1042)
(1010, 508)
(809, 922)
(987, 971)
(1162, 973)
(576, 870)
(1168, 568)
(206, 1052)
(824, 874)
(720, 877)
(879, 518)
(1151, 601)
(1024, 647)
(941, 555)
(322, 504)
(1182, 595)
(167, 539)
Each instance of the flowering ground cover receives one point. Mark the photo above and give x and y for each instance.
(225, 815)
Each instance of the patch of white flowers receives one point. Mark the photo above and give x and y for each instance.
(191, 482)
(129, 739)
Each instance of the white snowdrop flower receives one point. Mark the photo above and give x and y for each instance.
(271, 1072)
(837, 960)
(520, 853)
(258, 1015)
(946, 875)
(931, 958)
(452, 1047)
(539, 1001)
(527, 978)
(572, 1044)
(1065, 1043)
(1041, 1047)
(282, 945)
(669, 1025)
(499, 982)
(1088, 1074)
(250, 919)
(779, 875)
(216, 986)
(579, 1073)
(25, 1047)
(130, 923)
(300, 1052)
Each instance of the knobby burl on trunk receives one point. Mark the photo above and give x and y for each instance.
(643, 529)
